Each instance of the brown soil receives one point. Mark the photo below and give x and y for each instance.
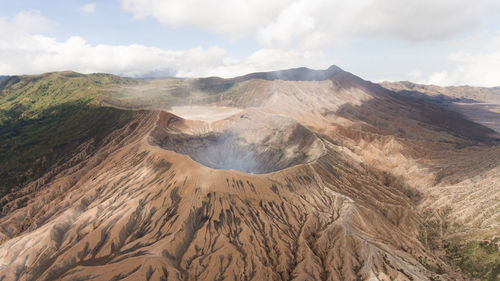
(343, 170)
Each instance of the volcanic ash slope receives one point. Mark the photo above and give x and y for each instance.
(284, 189)
(137, 211)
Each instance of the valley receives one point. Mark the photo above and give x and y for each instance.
(297, 174)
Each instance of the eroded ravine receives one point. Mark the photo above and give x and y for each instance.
(173, 197)
(144, 212)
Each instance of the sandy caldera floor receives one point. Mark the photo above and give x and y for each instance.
(204, 113)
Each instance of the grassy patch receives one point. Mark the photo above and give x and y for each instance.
(29, 96)
(44, 118)
(480, 259)
(29, 147)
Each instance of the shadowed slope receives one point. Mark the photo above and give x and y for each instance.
(482, 105)
(160, 216)
(44, 118)
(355, 185)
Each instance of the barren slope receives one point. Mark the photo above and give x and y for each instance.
(145, 211)
(481, 105)
(301, 175)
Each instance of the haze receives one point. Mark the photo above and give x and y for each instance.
(283, 140)
(432, 42)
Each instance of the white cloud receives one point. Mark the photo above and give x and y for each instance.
(24, 50)
(233, 17)
(415, 74)
(88, 8)
(309, 24)
(29, 53)
(25, 21)
(261, 60)
(481, 68)
(471, 69)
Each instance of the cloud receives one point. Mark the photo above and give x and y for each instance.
(310, 24)
(232, 17)
(25, 21)
(260, 60)
(473, 69)
(23, 51)
(87, 9)
(424, 20)
(415, 74)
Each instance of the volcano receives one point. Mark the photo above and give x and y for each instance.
(296, 174)
(250, 142)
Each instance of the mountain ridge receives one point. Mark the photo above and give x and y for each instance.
(366, 183)
(479, 104)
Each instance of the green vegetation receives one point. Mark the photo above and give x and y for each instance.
(434, 227)
(28, 96)
(480, 259)
(176, 91)
(44, 118)
(163, 93)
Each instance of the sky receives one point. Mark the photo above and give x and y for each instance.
(444, 42)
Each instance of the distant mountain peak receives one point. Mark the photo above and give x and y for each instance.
(294, 74)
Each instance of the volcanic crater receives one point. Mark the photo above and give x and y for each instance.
(249, 141)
